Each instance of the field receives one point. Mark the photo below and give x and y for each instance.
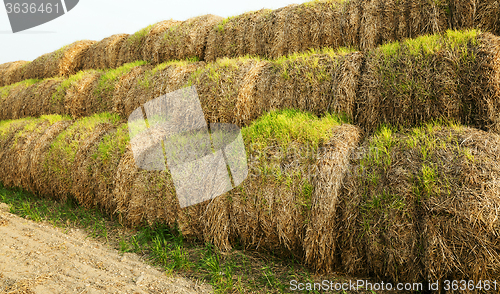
(371, 134)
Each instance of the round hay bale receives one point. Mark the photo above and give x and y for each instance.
(131, 49)
(8, 131)
(271, 207)
(317, 83)
(416, 81)
(80, 100)
(146, 83)
(64, 62)
(218, 85)
(17, 159)
(42, 103)
(123, 99)
(18, 101)
(59, 161)
(10, 72)
(379, 212)
(103, 54)
(482, 87)
(103, 161)
(424, 206)
(143, 196)
(73, 59)
(222, 38)
(40, 181)
(154, 37)
(83, 188)
(320, 243)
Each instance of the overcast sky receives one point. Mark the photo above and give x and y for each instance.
(98, 19)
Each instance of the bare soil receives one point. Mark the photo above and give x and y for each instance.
(41, 258)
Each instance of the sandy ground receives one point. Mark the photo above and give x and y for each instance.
(38, 258)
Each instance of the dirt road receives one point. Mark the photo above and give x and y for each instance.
(38, 258)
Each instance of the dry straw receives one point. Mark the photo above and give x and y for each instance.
(11, 72)
(184, 40)
(8, 131)
(83, 185)
(270, 209)
(317, 83)
(59, 160)
(143, 196)
(25, 142)
(133, 46)
(249, 33)
(63, 62)
(104, 54)
(407, 215)
(103, 159)
(417, 80)
(483, 85)
(80, 100)
(40, 181)
(320, 242)
(154, 36)
(483, 15)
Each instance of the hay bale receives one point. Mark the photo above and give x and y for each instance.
(59, 159)
(73, 58)
(11, 72)
(104, 54)
(80, 100)
(312, 25)
(483, 15)
(40, 182)
(103, 160)
(146, 83)
(317, 83)
(83, 187)
(483, 84)
(42, 103)
(8, 130)
(422, 205)
(416, 81)
(351, 22)
(17, 99)
(155, 36)
(270, 208)
(461, 206)
(428, 17)
(380, 213)
(249, 33)
(184, 40)
(131, 49)
(378, 23)
(20, 145)
(320, 243)
(64, 62)
(218, 85)
(143, 196)
(125, 85)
